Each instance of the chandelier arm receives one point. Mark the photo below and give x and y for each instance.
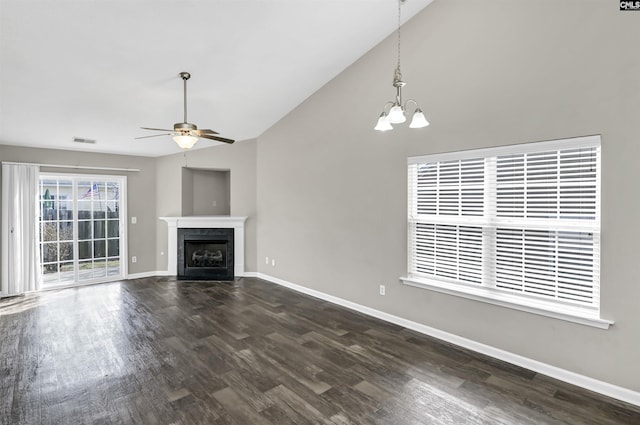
(389, 103)
(411, 100)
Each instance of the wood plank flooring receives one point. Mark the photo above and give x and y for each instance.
(159, 351)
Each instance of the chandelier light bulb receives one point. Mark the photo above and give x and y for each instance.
(383, 123)
(396, 115)
(418, 120)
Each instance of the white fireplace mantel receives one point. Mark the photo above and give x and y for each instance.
(205, 222)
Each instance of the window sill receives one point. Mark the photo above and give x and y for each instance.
(570, 314)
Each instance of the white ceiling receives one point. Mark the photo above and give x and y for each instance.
(101, 69)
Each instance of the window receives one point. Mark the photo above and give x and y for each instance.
(516, 225)
(81, 228)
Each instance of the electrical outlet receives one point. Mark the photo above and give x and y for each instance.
(273, 262)
(214, 203)
(134, 220)
(382, 290)
(134, 259)
(266, 260)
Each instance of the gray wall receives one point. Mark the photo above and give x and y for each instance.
(141, 191)
(332, 200)
(187, 191)
(240, 159)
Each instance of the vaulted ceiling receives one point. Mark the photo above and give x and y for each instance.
(101, 69)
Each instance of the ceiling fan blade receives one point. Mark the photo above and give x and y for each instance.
(216, 138)
(155, 129)
(207, 132)
(155, 135)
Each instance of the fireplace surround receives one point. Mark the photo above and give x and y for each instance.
(205, 254)
(237, 223)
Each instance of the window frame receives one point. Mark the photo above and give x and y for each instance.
(486, 290)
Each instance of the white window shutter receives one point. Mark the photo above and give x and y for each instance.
(520, 219)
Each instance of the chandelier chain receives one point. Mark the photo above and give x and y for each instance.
(399, 5)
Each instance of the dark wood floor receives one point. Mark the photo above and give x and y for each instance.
(157, 351)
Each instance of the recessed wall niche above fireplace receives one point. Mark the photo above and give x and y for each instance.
(205, 254)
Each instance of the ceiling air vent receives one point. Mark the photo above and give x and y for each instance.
(81, 140)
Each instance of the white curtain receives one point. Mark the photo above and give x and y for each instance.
(20, 236)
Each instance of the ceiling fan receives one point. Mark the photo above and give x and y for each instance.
(184, 133)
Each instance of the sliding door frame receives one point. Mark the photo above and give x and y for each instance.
(123, 231)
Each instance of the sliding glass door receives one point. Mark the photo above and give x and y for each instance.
(82, 222)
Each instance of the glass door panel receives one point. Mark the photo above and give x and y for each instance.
(56, 230)
(80, 229)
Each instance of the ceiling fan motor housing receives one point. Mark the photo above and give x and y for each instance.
(184, 127)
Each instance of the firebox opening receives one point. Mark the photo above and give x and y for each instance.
(206, 254)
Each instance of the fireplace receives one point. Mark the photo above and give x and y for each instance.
(205, 254)
(237, 223)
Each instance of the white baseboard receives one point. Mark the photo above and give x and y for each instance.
(166, 273)
(586, 382)
(147, 274)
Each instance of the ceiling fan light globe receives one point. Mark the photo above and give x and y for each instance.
(396, 115)
(418, 120)
(185, 142)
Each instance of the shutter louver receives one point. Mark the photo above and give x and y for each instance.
(522, 219)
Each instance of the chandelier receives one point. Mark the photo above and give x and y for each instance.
(397, 110)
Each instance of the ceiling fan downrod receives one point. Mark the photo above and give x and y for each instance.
(185, 76)
(184, 127)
